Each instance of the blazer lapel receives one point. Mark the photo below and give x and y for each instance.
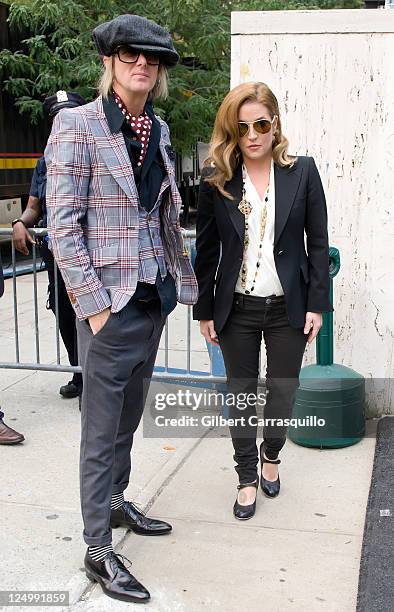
(166, 161)
(234, 188)
(169, 179)
(113, 152)
(286, 185)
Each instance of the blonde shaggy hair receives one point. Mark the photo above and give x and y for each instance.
(160, 90)
(224, 152)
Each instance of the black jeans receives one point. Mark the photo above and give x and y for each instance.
(67, 326)
(240, 342)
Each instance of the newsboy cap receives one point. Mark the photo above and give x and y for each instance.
(137, 32)
(62, 99)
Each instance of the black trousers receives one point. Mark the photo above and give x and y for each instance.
(240, 342)
(67, 326)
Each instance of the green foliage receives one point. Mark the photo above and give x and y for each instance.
(58, 53)
(279, 5)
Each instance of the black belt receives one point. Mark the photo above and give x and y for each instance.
(269, 299)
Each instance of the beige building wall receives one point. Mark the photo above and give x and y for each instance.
(333, 75)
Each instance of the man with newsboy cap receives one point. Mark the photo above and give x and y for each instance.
(113, 219)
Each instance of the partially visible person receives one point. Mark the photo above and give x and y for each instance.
(113, 221)
(7, 434)
(35, 213)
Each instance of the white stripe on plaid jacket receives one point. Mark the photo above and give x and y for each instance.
(93, 221)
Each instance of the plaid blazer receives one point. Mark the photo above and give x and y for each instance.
(93, 220)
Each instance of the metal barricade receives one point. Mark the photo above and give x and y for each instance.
(167, 372)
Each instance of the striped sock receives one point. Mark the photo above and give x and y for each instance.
(117, 500)
(98, 553)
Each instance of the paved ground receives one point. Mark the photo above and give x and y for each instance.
(300, 551)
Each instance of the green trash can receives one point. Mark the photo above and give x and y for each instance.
(330, 401)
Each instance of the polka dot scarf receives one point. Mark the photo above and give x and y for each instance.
(141, 125)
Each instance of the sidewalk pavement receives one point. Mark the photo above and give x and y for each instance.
(300, 551)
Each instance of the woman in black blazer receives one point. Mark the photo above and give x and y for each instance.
(256, 204)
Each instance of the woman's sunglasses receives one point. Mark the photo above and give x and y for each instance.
(261, 126)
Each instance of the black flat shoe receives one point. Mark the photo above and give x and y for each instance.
(271, 488)
(129, 516)
(243, 513)
(115, 579)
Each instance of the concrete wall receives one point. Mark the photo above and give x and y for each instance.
(333, 75)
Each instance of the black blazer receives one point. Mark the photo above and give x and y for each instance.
(300, 206)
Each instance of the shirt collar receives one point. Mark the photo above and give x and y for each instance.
(249, 185)
(115, 116)
(271, 172)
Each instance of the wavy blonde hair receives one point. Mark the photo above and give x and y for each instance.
(160, 89)
(224, 152)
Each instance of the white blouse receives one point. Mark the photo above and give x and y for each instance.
(267, 281)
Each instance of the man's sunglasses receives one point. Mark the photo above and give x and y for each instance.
(261, 126)
(128, 55)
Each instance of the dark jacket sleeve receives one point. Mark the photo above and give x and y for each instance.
(34, 183)
(1, 278)
(317, 243)
(207, 251)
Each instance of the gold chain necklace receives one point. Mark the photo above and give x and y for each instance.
(246, 208)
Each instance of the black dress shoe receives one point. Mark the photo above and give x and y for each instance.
(271, 488)
(70, 390)
(244, 513)
(129, 516)
(115, 579)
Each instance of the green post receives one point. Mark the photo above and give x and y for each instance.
(325, 337)
(330, 393)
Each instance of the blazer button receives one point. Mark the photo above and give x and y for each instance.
(280, 252)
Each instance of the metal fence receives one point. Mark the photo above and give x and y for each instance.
(167, 372)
